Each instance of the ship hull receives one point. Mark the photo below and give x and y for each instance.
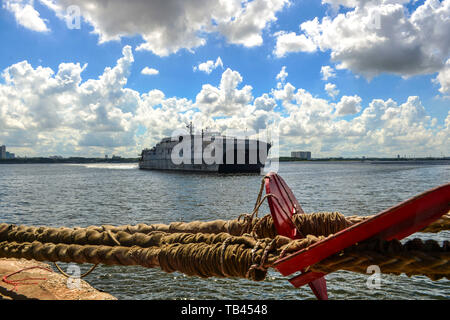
(168, 165)
(224, 168)
(237, 156)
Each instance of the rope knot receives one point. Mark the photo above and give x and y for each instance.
(257, 272)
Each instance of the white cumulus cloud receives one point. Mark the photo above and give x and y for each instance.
(149, 71)
(348, 105)
(291, 42)
(171, 25)
(26, 15)
(377, 36)
(443, 79)
(282, 75)
(225, 99)
(45, 112)
(209, 65)
(331, 90)
(383, 127)
(327, 72)
(49, 112)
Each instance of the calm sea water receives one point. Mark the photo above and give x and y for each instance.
(95, 194)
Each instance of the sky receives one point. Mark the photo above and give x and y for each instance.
(346, 78)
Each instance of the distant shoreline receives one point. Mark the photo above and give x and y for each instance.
(72, 160)
(445, 160)
(78, 160)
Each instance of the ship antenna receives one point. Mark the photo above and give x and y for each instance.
(190, 127)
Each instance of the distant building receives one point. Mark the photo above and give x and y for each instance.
(304, 155)
(10, 155)
(116, 157)
(5, 154)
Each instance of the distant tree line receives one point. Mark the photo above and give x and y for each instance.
(282, 159)
(67, 160)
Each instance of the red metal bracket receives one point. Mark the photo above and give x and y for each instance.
(283, 205)
(397, 222)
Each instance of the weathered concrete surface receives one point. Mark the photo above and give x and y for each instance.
(54, 287)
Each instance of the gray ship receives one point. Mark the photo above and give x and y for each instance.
(206, 152)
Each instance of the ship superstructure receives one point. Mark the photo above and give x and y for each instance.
(208, 152)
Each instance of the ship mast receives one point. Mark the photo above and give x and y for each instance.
(190, 127)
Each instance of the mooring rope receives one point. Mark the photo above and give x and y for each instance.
(243, 248)
(89, 236)
(317, 224)
(240, 257)
(415, 257)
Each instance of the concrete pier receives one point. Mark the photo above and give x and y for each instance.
(49, 286)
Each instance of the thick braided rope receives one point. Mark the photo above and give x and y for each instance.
(201, 258)
(240, 255)
(326, 223)
(90, 236)
(317, 224)
(415, 257)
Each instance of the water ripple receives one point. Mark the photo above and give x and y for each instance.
(95, 194)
